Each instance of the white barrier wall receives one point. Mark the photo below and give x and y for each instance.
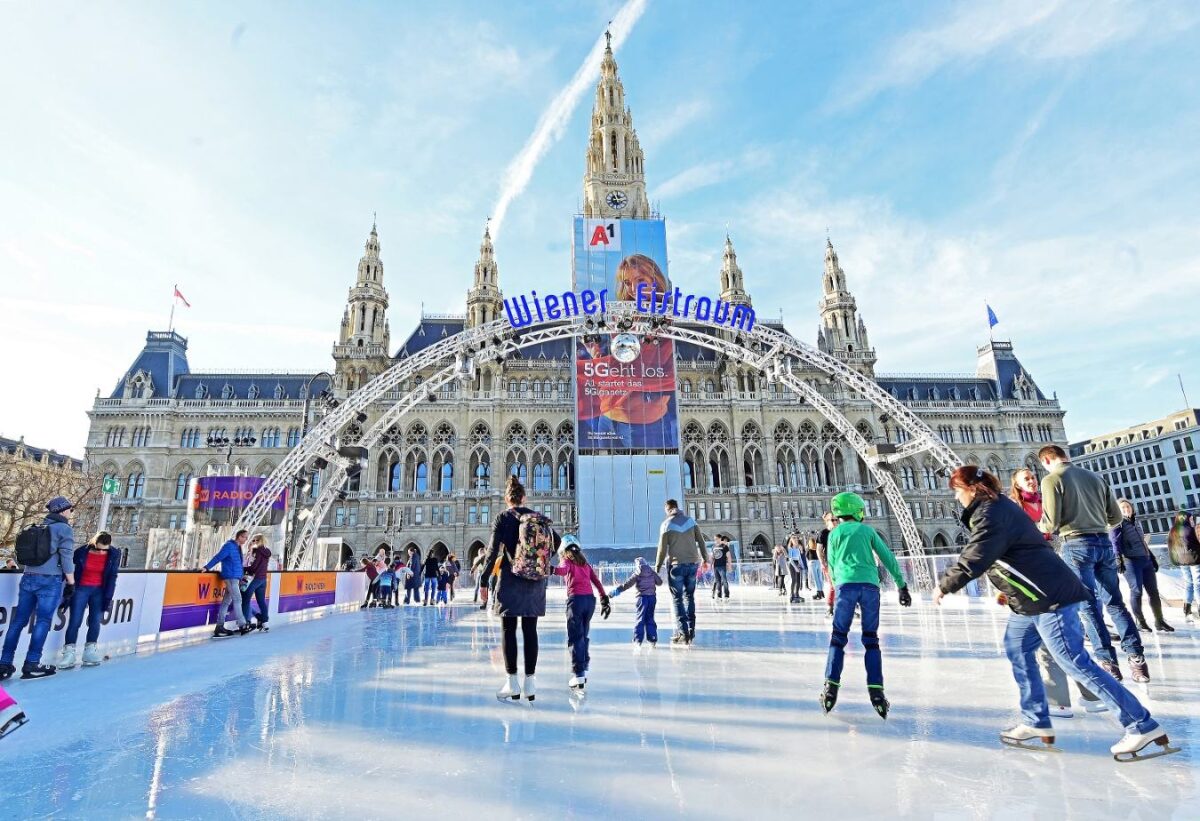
(155, 607)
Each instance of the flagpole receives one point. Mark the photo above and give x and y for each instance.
(988, 310)
(171, 323)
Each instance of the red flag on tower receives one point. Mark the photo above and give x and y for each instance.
(182, 298)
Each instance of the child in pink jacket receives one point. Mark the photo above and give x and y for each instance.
(581, 606)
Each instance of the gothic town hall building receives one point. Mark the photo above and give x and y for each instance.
(756, 463)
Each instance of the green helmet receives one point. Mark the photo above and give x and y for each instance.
(848, 504)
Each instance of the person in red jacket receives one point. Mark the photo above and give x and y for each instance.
(94, 587)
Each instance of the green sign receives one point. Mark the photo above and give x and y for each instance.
(111, 485)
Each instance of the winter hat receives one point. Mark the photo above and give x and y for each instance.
(639, 564)
(58, 504)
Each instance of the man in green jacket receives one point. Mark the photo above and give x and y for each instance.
(853, 550)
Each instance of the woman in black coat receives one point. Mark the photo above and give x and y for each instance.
(515, 597)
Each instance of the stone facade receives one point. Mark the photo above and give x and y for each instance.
(756, 462)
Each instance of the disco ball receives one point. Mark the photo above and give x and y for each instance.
(626, 347)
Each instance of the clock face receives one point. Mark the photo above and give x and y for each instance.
(617, 200)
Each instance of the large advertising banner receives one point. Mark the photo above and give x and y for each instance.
(627, 421)
(120, 625)
(190, 600)
(305, 590)
(220, 492)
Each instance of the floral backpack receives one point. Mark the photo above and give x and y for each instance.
(535, 546)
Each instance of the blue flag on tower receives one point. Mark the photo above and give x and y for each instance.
(992, 321)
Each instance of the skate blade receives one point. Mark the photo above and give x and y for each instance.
(1039, 747)
(16, 722)
(1165, 748)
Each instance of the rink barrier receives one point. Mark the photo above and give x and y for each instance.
(153, 609)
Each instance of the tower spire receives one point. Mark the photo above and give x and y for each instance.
(484, 299)
(844, 332)
(361, 352)
(614, 180)
(733, 286)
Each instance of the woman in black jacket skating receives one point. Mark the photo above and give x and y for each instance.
(1044, 595)
(1135, 560)
(515, 597)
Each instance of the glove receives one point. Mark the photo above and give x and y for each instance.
(615, 593)
(1154, 562)
(605, 607)
(905, 597)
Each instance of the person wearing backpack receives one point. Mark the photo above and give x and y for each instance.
(522, 543)
(46, 551)
(97, 565)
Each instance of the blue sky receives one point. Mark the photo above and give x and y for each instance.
(1041, 155)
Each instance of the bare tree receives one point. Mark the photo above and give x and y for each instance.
(27, 484)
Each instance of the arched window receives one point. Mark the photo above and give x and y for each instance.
(566, 478)
(421, 476)
(135, 488)
(541, 475)
(395, 476)
(447, 484)
(483, 475)
(181, 485)
(689, 475)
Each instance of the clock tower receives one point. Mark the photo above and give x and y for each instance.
(614, 184)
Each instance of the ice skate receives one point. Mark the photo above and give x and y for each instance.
(1095, 706)
(679, 638)
(1023, 736)
(578, 685)
(1130, 747)
(829, 696)
(511, 689)
(879, 702)
(529, 688)
(1188, 616)
(37, 670)
(1139, 669)
(6, 671)
(91, 655)
(1061, 712)
(1162, 627)
(66, 659)
(1111, 668)
(1140, 621)
(11, 717)
(221, 632)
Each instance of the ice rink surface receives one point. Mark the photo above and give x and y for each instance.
(392, 714)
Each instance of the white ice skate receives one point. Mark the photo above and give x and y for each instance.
(1130, 747)
(511, 689)
(577, 684)
(11, 717)
(91, 655)
(529, 689)
(1095, 706)
(1061, 712)
(1023, 735)
(67, 660)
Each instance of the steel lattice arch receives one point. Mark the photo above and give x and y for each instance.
(774, 354)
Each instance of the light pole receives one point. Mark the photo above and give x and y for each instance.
(230, 444)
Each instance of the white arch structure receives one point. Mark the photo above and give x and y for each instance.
(772, 353)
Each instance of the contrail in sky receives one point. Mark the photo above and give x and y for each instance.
(553, 121)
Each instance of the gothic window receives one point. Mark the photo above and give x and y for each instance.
(908, 478)
(784, 432)
(482, 471)
(541, 472)
(930, 477)
(135, 486)
(516, 466)
(447, 484)
(517, 434)
(201, 391)
(227, 391)
(692, 432)
(513, 388)
(443, 434)
(541, 434)
(278, 391)
(566, 471)
(293, 437)
(252, 393)
(181, 485)
(689, 475)
(685, 387)
(710, 387)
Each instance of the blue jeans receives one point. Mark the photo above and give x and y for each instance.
(430, 589)
(258, 590)
(682, 581)
(645, 627)
(93, 599)
(580, 610)
(1060, 631)
(720, 581)
(1191, 582)
(1091, 557)
(816, 576)
(850, 595)
(1140, 576)
(38, 594)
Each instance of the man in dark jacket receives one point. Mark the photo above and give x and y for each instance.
(40, 593)
(1045, 596)
(430, 571)
(1080, 507)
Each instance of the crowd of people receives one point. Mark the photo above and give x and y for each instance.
(1051, 549)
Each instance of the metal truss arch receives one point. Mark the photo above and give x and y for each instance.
(774, 354)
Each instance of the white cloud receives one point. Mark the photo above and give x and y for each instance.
(1033, 30)
(553, 122)
(705, 174)
(661, 127)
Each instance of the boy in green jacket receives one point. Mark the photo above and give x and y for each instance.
(852, 552)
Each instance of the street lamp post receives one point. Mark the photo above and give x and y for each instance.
(229, 444)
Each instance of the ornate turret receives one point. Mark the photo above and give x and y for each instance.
(362, 349)
(484, 299)
(733, 286)
(614, 183)
(845, 334)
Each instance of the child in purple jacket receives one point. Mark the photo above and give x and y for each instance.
(646, 580)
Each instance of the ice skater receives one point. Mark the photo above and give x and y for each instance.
(581, 606)
(256, 587)
(97, 565)
(854, 548)
(1184, 550)
(645, 628)
(720, 563)
(681, 546)
(11, 714)
(230, 559)
(445, 578)
(1044, 596)
(384, 586)
(1139, 567)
